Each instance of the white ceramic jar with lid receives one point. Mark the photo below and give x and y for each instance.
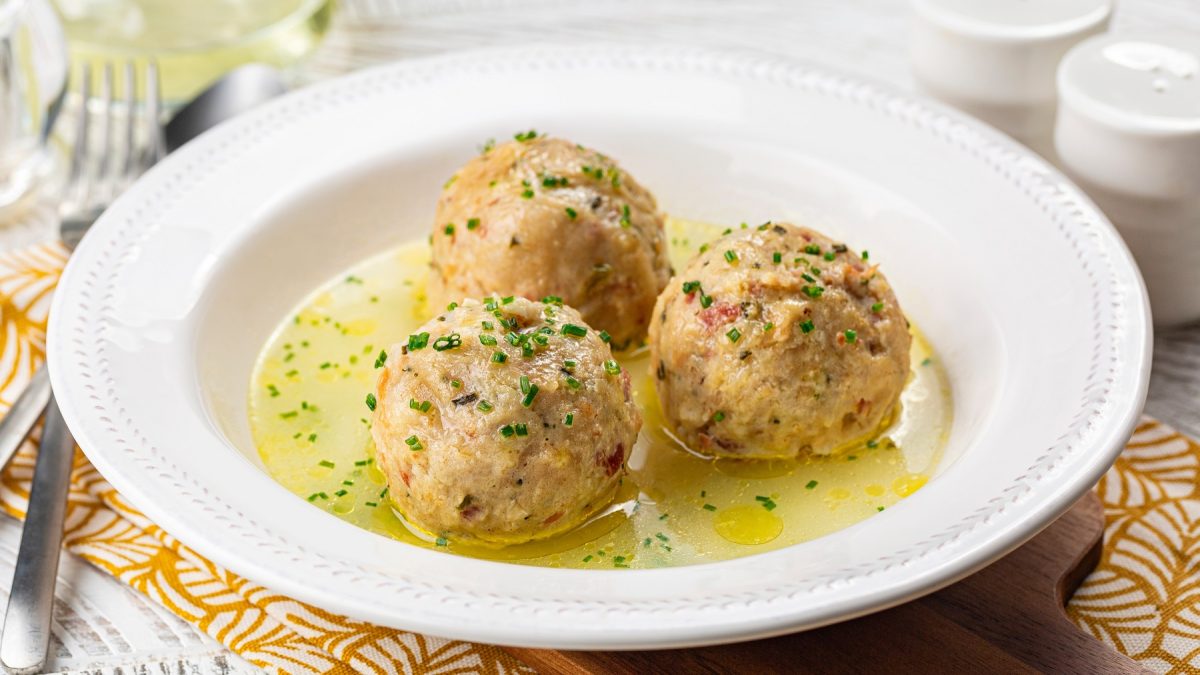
(1128, 131)
(996, 59)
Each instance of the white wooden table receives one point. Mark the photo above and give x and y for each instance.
(103, 627)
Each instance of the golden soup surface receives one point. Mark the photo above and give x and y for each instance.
(311, 425)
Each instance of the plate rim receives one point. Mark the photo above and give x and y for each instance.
(951, 126)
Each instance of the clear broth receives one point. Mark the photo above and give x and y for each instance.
(312, 429)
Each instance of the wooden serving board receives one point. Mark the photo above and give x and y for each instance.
(1008, 618)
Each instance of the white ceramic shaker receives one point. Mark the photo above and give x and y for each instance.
(996, 59)
(1128, 132)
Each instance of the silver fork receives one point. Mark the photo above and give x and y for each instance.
(80, 208)
(90, 186)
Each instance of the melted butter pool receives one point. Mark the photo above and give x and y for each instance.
(312, 428)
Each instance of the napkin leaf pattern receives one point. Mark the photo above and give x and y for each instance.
(1144, 597)
(272, 631)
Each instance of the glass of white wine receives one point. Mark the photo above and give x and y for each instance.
(33, 77)
(193, 42)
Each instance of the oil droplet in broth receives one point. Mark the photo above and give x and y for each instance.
(748, 525)
(906, 485)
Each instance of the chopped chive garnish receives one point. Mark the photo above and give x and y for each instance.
(866, 255)
(706, 301)
(709, 507)
(605, 337)
(530, 395)
(441, 541)
(810, 485)
(572, 213)
(420, 406)
(851, 336)
(288, 415)
(507, 431)
(418, 341)
(381, 359)
(413, 443)
(776, 257)
(829, 255)
(472, 223)
(499, 357)
(573, 383)
(483, 406)
(312, 438)
(273, 390)
(487, 340)
(625, 221)
(813, 291)
(812, 249)
(340, 493)
(569, 419)
(445, 342)
(877, 307)
(524, 136)
(926, 361)
(371, 401)
(371, 504)
(767, 503)
(734, 334)
(456, 384)
(768, 326)
(691, 286)
(731, 257)
(521, 429)
(449, 229)
(806, 326)
(326, 463)
(364, 462)
(718, 416)
(573, 330)
(612, 368)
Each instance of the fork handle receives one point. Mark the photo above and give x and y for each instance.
(26, 634)
(24, 413)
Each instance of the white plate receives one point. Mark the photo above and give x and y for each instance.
(1025, 290)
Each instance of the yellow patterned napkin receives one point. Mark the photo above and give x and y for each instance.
(1143, 599)
(272, 631)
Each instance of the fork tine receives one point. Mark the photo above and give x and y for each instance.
(102, 183)
(131, 167)
(153, 114)
(74, 192)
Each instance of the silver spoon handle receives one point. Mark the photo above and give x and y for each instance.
(24, 413)
(26, 634)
